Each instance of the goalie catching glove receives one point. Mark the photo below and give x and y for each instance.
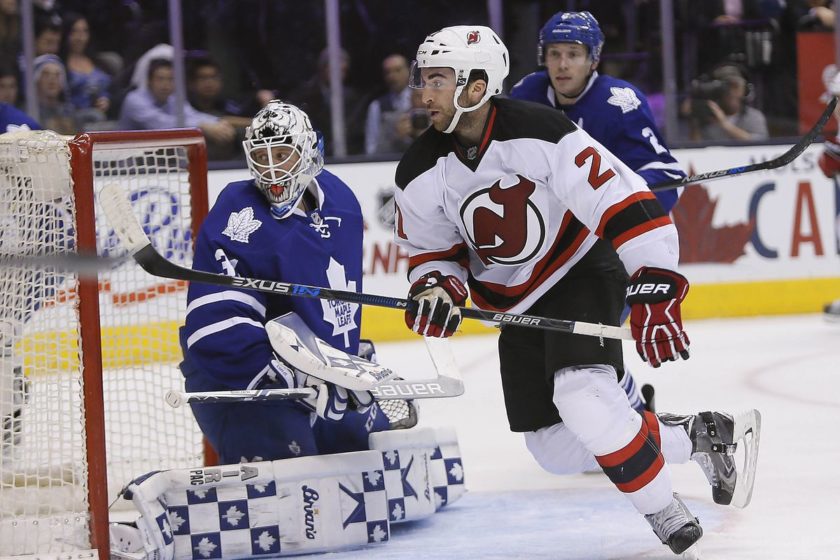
(654, 296)
(438, 298)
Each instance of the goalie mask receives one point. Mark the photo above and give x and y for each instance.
(284, 154)
(463, 48)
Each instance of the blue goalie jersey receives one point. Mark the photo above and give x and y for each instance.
(617, 115)
(224, 340)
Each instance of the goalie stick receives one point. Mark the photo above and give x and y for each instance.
(118, 212)
(447, 384)
(794, 152)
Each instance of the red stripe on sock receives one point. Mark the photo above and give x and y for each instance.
(625, 453)
(652, 421)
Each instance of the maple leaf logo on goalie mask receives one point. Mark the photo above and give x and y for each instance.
(473, 37)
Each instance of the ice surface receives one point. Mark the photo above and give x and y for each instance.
(788, 367)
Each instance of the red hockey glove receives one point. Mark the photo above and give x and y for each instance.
(654, 296)
(829, 161)
(438, 298)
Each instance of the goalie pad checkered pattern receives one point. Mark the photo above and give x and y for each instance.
(293, 506)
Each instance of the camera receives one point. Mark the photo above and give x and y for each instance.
(703, 90)
(420, 119)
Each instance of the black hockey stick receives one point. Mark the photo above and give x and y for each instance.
(118, 211)
(794, 152)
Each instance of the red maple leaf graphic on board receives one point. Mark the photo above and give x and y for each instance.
(700, 241)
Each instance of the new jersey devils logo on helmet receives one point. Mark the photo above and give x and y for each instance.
(473, 37)
(502, 223)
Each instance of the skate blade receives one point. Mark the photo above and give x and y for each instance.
(831, 317)
(746, 433)
(691, 553)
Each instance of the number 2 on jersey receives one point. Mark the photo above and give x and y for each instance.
(596, 178)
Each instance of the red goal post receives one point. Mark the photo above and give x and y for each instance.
(84, 361)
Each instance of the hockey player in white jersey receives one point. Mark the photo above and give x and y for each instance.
(614, 112)
(532, 214)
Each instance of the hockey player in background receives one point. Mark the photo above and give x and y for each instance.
(291, 222)
(829, 163)
(535, 216)
(612, 111)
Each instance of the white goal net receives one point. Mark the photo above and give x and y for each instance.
(85, 362)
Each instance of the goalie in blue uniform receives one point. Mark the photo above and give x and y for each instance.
(291, 222)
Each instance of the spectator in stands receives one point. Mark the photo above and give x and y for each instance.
(12, 118)
(88, 85)
(313, 97)
(819, 17)
(153, 107)
(47, 34)
(9, 32)
(9, 87)
(54, 112)
(205, 93)
(725, 115)
(381, 135)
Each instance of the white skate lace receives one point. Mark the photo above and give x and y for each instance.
(668, 520)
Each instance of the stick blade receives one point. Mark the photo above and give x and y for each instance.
(117, 207)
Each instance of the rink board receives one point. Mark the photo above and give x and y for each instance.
(760, 244)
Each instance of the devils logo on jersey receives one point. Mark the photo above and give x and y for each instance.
(502, 223)
(473, 37)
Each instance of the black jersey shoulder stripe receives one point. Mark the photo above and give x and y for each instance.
(526, 119)
(622, 218)
(422, 155)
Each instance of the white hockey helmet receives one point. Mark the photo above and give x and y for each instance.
(464, 48)
(281, 124)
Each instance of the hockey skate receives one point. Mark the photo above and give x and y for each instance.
(831, 311)
(715, 438)
(676, 526)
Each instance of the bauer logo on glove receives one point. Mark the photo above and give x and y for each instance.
(654, 296)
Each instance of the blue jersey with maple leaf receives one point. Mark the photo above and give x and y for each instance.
(224, 339)
(617, 115)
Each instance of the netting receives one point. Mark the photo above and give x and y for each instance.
(43, 463)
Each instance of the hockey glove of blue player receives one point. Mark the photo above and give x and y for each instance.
(438, 298)
(654, 296)
(330, 401)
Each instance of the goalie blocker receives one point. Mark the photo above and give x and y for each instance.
(292, 506)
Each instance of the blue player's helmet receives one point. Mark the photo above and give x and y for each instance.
(281, 124)
(571, 27)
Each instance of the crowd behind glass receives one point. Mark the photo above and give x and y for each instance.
(105, 65)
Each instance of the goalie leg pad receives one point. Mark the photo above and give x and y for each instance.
(286, 507)
(447, 468)
(406, 457)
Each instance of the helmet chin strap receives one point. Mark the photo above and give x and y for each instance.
(461, 110)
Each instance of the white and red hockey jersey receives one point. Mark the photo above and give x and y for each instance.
(512, 215)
